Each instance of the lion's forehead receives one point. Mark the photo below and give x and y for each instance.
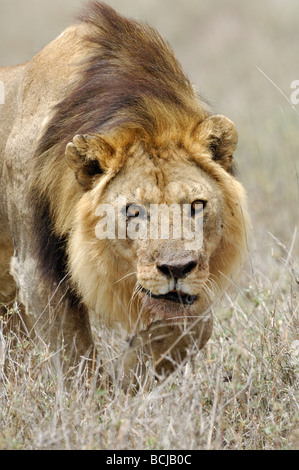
(147, 181)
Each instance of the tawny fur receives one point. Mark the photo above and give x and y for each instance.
(105, 110)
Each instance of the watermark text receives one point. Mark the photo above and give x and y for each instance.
(295, 95)
(155, 221)
(2, 92)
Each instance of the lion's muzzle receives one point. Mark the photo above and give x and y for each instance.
(177, 270)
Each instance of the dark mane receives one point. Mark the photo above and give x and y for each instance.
(130, 77)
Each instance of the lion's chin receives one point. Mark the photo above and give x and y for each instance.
(168, 307)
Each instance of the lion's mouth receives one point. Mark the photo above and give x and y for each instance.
(174, 296)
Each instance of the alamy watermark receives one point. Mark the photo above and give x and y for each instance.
(156, 221)
(2, 93)
(295, 95)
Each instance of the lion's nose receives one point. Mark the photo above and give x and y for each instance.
(177, 270)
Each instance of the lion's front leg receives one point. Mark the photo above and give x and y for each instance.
(162, 347)
(51, 314)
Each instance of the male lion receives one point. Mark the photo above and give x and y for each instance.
(104, 118)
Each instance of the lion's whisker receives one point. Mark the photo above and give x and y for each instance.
(124, 277)
(135, 292)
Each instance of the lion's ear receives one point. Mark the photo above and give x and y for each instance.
(86, 155)
(222, 138)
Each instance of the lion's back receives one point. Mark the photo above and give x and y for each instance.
(29, 92)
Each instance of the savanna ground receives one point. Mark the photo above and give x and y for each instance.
(241, 391)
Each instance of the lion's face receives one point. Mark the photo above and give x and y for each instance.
(160, 202)
(166, 229)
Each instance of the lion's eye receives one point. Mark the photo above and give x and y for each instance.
(134, 210)
(197, 207)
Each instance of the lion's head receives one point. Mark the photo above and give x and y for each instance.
(161, 228)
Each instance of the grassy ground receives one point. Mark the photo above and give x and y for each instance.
(241, 391)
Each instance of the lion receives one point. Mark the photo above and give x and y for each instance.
(103, 121)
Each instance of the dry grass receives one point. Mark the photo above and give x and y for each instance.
(241, 391)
